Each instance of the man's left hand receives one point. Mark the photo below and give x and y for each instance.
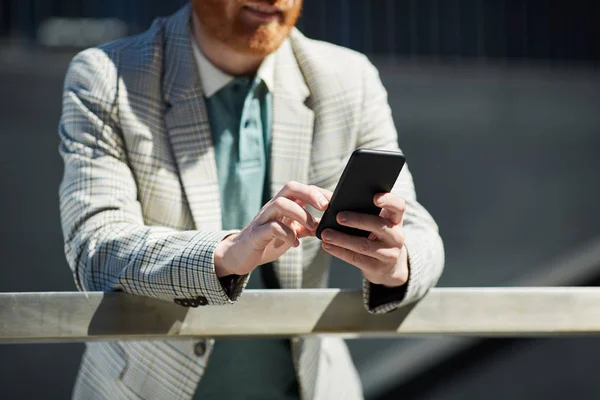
(382, 256)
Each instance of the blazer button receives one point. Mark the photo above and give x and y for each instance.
(194, 303)
(202, 300)
(200, 348)
(185, 302)
(178, 302)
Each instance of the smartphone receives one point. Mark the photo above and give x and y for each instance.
(367, 173)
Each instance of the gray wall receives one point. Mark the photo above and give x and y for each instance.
(505, 158)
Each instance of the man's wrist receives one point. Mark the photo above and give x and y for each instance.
(220, 256)
(401, 272)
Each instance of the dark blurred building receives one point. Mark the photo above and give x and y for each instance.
(485, 29)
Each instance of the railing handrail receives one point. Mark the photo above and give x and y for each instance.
(75, 316)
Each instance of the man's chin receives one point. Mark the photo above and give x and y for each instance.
(260, 45)
(262, 48)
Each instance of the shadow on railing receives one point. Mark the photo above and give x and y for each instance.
(72, 316)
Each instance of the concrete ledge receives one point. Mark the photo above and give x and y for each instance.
(72, 316)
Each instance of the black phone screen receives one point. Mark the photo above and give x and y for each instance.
(367, 173)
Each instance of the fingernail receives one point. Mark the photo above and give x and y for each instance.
(343, 216)
(323, 202)
(326, 235)
(326, 246)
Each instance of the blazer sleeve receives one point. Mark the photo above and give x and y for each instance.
(107, 244)
(422, 240)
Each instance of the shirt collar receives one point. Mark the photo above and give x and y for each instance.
(213, 79)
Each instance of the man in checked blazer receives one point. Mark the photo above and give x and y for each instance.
(192, 152)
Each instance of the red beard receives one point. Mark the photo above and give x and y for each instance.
(234, 24)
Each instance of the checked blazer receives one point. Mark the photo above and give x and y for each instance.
(140, 204)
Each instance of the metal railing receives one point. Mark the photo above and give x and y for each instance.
(74, 316)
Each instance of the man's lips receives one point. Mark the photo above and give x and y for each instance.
(263, 7)
(263, 11)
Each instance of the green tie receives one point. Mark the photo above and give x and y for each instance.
(241, 140)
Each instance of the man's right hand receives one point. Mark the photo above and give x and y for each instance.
(278, 226)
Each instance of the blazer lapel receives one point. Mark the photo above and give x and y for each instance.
(190, 136)
(187, 124)
(291, 146)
